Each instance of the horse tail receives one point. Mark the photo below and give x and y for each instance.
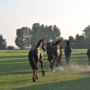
(30, 55)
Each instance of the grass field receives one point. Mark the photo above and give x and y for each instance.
(16, 74)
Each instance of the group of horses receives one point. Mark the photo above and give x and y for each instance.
(54, 54)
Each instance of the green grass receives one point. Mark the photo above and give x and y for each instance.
(16, 73)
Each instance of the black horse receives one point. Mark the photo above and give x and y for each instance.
(54, 53)
(35, 56)
(88, 54)
(67, 51)
(50, 50)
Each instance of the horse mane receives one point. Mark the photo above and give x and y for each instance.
(38, 44)
(57, 42)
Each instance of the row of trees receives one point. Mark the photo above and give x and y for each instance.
(81, 41)
(28, 37)
(3, 44)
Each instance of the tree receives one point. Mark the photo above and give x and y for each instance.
(80, 41)
(47, 32)
(2, 42)
(79, 38)
(56, 33)
(87, 31)
(71, 38)
(23, 39)
(35, 34)
(27, 37)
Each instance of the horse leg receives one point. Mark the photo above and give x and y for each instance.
(43, 72)
(60, 58)
(49, 59)
(34, 76)
(52, 64)
(89, 60)
(66, 59)
(57, 61)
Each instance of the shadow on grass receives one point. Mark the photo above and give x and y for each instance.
(80, 84)
(15, 73)
(3, 57)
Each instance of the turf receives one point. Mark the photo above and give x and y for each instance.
(16, 73)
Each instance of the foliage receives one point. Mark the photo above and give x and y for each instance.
(27, 37)
(10, 47)
(46, 32)
(23, 39)
(2, 42)
(81, 41)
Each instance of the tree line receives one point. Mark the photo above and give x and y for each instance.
(27, 37)
(81, 41)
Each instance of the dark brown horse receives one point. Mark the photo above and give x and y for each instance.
(88, 54)
(50, 49)
(67, 51)
(35, 57)
(54, 53)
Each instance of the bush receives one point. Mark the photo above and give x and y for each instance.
(10, 47)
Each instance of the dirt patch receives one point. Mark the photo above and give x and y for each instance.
(74, 69)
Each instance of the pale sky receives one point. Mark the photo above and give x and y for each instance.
(71, 16)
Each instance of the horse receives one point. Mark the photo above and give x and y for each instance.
(49, 49)
(88, 54)
(35, 57)
(54, 53)
(67, 51)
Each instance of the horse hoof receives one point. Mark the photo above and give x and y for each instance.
(43, 73)
(34, 80)
(37, 77)
(53, 70)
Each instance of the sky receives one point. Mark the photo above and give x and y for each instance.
(71, 16)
